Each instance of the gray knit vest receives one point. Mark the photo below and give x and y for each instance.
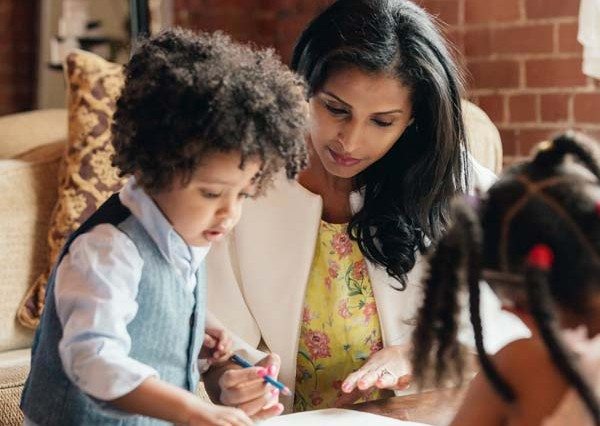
(166, 334)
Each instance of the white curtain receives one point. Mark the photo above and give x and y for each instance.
(589, 36)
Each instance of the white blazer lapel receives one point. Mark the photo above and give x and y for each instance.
(396, 309)
(279, 242)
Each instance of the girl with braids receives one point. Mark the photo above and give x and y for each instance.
(536, 241)
(326, 270)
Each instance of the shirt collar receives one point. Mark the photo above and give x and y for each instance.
(168, 241)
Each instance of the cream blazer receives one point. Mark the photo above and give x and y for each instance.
(257, 278)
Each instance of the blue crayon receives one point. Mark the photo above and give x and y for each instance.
(245, 364)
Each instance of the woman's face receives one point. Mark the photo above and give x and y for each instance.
(356, 117)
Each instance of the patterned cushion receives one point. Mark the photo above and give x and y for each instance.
(86, 177)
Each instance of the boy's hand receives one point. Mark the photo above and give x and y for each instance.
(206, 414)
(216, 346)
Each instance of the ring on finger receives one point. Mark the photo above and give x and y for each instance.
(385, 371)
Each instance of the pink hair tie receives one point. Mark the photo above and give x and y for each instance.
(541, 256)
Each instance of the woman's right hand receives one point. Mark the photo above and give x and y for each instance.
(246, 389)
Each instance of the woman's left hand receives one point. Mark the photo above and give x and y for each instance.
(388, 368)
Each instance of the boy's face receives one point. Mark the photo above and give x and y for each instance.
(210, 205)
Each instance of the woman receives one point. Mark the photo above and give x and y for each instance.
(326, 270)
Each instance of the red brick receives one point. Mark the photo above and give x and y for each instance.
(310, 7)
(554, 107)
(285, 52)
(445, 10)
(456, 40)
(567, 38)
(524, 39)
(536, 9)
(493, 105)
(266, 29)
(509, 142)
(278, 4)
(216, 5)
(478, 11)
(291, 27)
(593, 133)
(522, 108)
(586, 107)
(288, 31)
(235, 24)
(7, 93)
(494, 74)
(182, 18)
(17, 54)
(21, 13)
(478, 42)
(529, 138)
(554, 73)
(6, 70)
(509, 161)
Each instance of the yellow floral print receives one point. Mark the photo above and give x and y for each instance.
(340, 326)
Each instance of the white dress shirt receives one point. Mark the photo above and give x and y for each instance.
(95, 293)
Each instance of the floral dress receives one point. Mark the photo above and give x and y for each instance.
(340, 326)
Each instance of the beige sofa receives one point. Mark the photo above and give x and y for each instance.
(31, 145)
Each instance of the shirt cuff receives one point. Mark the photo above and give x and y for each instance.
(105, 380)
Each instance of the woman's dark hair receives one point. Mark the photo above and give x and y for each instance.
(187, 95)
(407, 192)
(541, 205)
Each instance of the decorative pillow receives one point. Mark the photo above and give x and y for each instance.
(86, 178)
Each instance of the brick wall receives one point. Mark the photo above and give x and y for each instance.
(274, 23)
(522, 56)
(525, 66)
(18, 51)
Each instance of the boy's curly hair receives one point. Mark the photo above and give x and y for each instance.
(188, 94)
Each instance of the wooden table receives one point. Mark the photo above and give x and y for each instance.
(435, 407)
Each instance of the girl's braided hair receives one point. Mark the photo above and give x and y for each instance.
(549, 204)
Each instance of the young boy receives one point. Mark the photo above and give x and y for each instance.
(202, 123)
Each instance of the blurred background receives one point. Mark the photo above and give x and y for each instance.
(522, 57)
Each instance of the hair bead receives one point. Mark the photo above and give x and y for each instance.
(541, 256)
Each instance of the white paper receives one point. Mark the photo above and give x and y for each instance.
(335, 416)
